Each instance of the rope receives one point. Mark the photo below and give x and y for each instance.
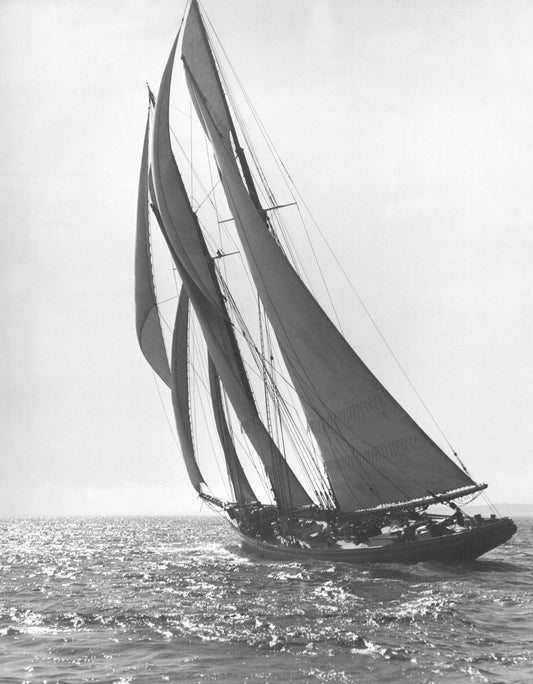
(282, 167)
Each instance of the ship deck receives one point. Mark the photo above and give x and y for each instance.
(460, 546)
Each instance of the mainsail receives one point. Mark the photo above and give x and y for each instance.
(374, 452)
(196, 269)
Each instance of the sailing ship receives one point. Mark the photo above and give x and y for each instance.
(338, 470)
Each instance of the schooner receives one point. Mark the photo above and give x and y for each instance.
(354, 482)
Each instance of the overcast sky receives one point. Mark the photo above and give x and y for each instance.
(408, 128)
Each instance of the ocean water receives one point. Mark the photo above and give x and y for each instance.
(175, 600)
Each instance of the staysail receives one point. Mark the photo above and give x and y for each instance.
(148, 325)
(180, 390)
(374, 452)
(241, 486)
(196, 269)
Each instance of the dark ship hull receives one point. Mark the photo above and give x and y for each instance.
(457, 547)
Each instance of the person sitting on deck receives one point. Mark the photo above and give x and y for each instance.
(458, 515)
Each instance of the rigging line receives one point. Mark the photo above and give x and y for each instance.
(374, 323)
(304, 454)
(312, 457)
(186, 156)
(309, 382)
(261, 340)
(285, 234)
(240, 257)
(165, 301)
(309, 458)
(266, 191)
(255, 159)
(229, 424)
(371, 318)
(254, 462)
(213, 188)
(229, 149)
(212, 201)
(382, 336)
(167, 325)
(287, 245)
(244, 331)
(296, 433)
(232, 133)
(230, 139)
(270, 351)
(345, 460)
(198, 376)
(199, 399)
(255, 372)
(245, 454)
(276, 222)
(489, 503)
(191, 160)
(177, 282)
(209, 238)
(322, 277)
(398, 488)
(361, 454)
(245, 334)
(165, 412)
(328, 295)
(184, 113)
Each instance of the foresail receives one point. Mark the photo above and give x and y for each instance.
(373, 450)
(180, 390)
(148, 325)
(239, 481)
(196, 268)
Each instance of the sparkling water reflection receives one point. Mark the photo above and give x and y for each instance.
(174, 599)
